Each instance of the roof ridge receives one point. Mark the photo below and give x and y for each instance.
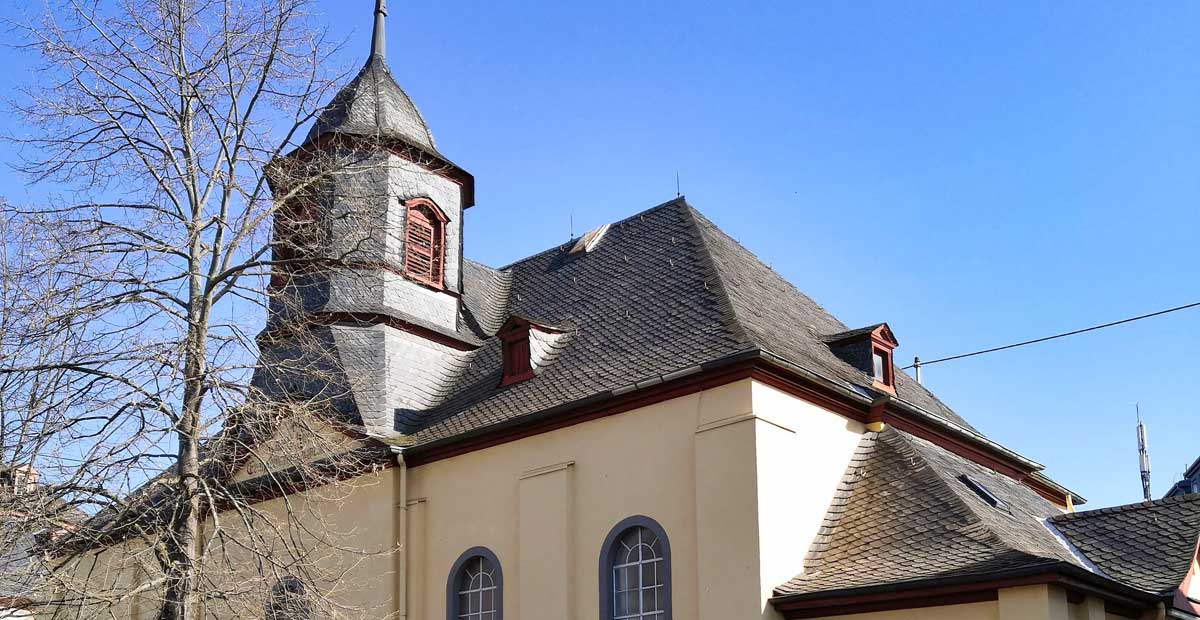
(1166, 501)
(387, 71)
(560, 246)
(694, 219)
(719, 231)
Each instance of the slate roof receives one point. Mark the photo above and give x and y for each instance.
(374, 105)
(1190, 482)
(903, 514)
(1149, 545)
(854, 333)
(665, 292)
(23, 523)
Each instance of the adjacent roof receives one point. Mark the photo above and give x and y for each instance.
(1150, 545)
(903, 514)
(374, 105)
(664, 292)
(1190, 482)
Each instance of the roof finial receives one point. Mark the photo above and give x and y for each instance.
(379, 37)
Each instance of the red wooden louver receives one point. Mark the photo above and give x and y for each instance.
(423, 244)
(514, 337)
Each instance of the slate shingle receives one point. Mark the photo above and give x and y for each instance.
(902, 514)
(374, 105)
(664, 291)
(1149, 545)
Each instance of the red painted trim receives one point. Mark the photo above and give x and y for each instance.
(317, 264)
(887, 382)
(883, 335)
(941, 595)
(516, 351)
(428, 161)
(770, 375)
(609, 406)
(956, 445)
(920, 602)
(756, 369)
(15, 602)
(790, 383)
(375, 318)
(436, 231)
(1180, 599)
(277, 484)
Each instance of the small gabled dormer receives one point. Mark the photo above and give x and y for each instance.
(528, 348)
(868, 349)
(514, 342)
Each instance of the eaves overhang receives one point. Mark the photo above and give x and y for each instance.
(432, 161)
(962, 589)
(761, 365)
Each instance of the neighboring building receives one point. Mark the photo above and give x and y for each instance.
(1190, 482)
(650, 423)
(27, 512)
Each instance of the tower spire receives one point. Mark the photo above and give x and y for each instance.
(379, 36)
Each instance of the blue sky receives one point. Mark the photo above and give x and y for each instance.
(973, 174)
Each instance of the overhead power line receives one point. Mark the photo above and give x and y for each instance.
(1056, 336)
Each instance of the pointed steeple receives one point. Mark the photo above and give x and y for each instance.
(379, 36)
(373, 104)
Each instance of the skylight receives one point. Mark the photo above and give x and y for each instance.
(589, 240)
(983, 492)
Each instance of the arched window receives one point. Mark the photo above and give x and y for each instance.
(424, 242)
(635, 572)
(476, 587)
(289, 600)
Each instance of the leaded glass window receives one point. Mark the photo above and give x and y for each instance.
(638, 576)
(289, 601)
(478, 590)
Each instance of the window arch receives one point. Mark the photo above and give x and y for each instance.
(289, 600)
(424, 242)
(476, 587)
(635, 572)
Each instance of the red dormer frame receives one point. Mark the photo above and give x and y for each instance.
(515, 352)
(883, 342)
(425, 242)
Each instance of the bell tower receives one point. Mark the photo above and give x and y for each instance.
(368, 251)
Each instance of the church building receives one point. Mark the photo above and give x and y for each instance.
(649, 423)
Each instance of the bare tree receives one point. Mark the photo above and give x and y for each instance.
(131, 304)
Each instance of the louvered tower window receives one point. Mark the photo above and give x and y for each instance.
(424, 242)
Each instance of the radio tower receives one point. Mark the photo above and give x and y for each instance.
(1143, 454)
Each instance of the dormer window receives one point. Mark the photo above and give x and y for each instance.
(881, 366)
(424, 242)
(528, 349)
(514, 339)
(868, 349)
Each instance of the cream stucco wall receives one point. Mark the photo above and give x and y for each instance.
(739, 477)
(802, 452)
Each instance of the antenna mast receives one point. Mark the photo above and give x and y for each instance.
(1143, 453)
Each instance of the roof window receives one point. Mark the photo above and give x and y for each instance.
(983, 492)
(589, 240)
